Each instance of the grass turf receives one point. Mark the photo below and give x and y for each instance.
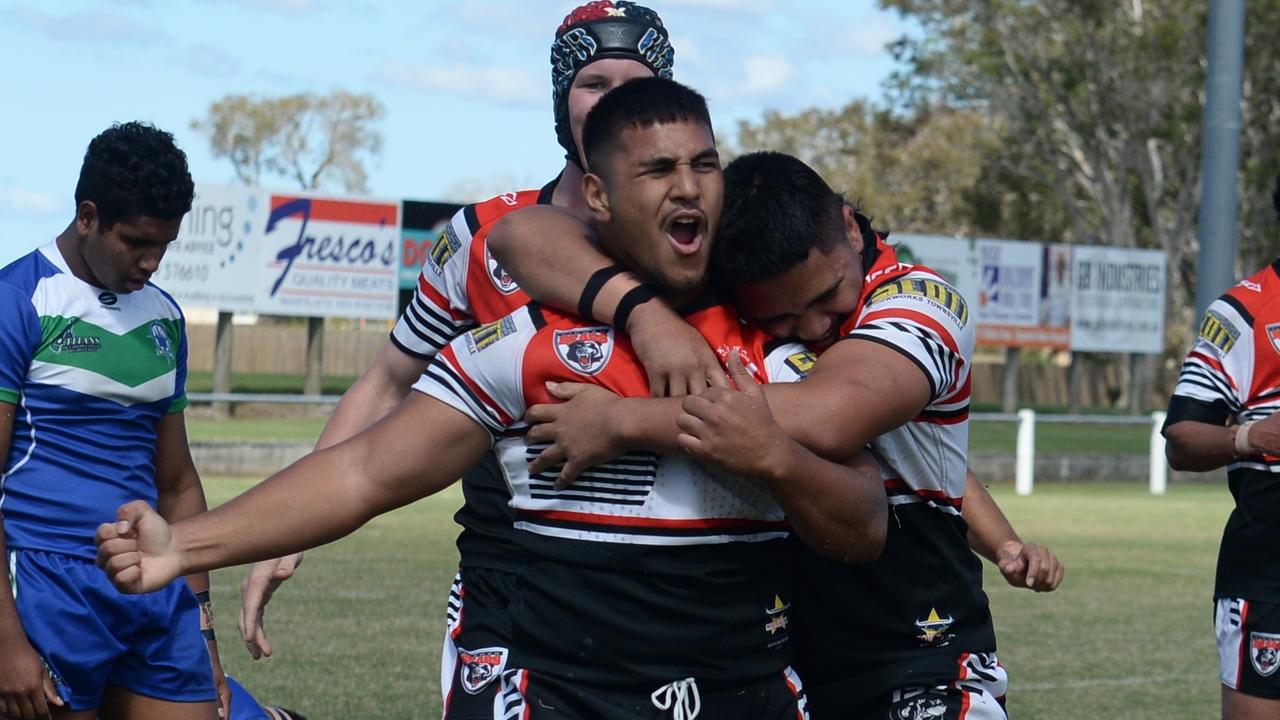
(1129, 635)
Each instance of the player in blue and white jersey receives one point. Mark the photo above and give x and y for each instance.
(92, 391)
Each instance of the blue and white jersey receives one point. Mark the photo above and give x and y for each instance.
(90, 373)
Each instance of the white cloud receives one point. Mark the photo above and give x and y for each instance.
(28, 202)
(501, 83)
(765, 74)
(210, 61)
(90, 27)
(865, 38)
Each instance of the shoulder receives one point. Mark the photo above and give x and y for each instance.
(479, 215)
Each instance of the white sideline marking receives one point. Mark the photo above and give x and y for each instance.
(1015, 686)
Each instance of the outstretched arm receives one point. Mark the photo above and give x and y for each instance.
(553, 256)
(992, 536)
(318, 499)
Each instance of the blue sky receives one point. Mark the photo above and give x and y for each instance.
(466, 85)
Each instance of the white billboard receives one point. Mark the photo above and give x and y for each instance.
(213, 263)
(1117, 302)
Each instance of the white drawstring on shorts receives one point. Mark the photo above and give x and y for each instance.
(680, 697)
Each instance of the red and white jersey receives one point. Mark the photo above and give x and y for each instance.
(461, 285)
(1232, 374)
(916, 312)
(496, 371)
(649, 543)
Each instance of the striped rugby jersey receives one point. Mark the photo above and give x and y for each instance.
(652, 544)
(1232, 373)
(460, 286)
(908, 617)
(91, 373)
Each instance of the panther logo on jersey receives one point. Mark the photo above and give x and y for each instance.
(1264, 652)
(498, 275)
(480, 667)
(586, 350)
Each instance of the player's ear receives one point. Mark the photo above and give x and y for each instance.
(597, 196)
(851, 229)
(86, 218)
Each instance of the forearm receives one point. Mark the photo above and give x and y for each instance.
(332, 492)
(646, 423)
(837, 510)
(1199, 446)
(989, 529)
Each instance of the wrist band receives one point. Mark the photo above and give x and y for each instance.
(208, 635)
(589, 292)
(1243, 446)
(206, 613)
(636, 296)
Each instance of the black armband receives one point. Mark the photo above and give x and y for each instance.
(635, 297)
(593, 287)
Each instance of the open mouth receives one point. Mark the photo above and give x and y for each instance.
(685, 231)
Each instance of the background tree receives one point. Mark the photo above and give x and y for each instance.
(314, 140)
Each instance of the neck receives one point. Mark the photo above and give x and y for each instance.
(568, 192)
(70, 246)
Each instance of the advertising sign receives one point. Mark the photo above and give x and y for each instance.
(213, 262)
(1117, 303)
(328, 257)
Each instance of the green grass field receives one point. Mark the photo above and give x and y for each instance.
(1129, 634)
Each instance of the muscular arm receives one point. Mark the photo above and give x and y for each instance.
(322, 497)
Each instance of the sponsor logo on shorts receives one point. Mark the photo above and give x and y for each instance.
(1218, 332)
(498, 276)
(925, 708)
(1264, 652)
(480, 667)
(585, 350)
(933, 629)
(489, 333)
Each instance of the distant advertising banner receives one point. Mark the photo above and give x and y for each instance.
(212, 263)
(952, 258)
(1117, 303)
(329, 257)
(421, 225)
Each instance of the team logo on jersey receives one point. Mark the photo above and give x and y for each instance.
(489, 333)
(68, 341)
(933, 629)
(164, 346)
(1273, 334)
(501, 280)
(586, 350)
(921, 708)
(1218, 332)
(447, 243)
(936, 293)
(777, 616)
(1264, 652)
(480, 667)
(801, 362)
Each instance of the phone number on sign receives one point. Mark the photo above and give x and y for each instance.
(173, 271)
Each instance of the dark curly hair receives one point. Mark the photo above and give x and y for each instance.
(133, 170)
